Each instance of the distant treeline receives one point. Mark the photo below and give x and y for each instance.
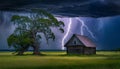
(31, 50)
(53, 50)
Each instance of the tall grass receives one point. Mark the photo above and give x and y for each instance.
(59, 60)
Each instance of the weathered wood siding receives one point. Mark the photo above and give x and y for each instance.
(89, 50)
(75, 50)
(81, 50)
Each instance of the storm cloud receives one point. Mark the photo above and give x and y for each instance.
(69, 8)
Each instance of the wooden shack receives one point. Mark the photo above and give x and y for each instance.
(79, 44)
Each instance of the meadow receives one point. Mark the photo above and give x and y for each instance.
(59, 60)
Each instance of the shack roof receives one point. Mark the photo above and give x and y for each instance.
(84, 39)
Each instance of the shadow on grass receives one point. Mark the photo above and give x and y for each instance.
(115, 56)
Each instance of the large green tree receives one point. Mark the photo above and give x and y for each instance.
(37, 23)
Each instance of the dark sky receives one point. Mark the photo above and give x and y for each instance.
(94, 8)
(111, 33)
(100, 16)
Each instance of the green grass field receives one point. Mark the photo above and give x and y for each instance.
(59, 60)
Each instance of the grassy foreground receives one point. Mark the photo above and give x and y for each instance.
(59, 60)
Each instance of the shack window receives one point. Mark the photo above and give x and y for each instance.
(75, 42)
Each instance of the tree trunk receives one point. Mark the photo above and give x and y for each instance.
(36, 50)
(21, 52)
(35, 44)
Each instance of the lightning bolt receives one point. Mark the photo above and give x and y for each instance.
(84, 26)
(68, 30)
